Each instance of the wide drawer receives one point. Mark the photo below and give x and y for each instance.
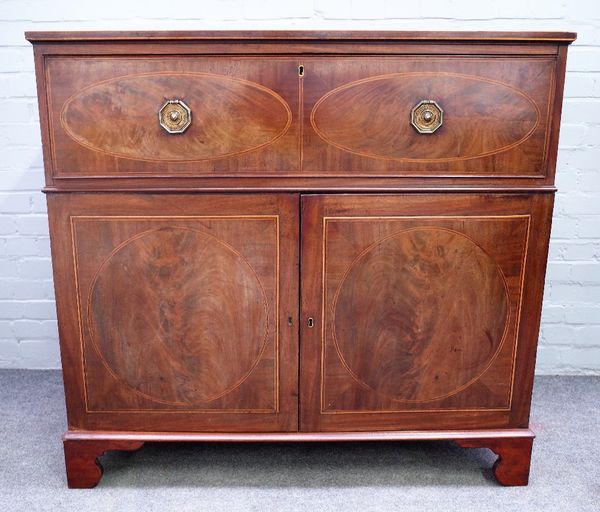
(111, 116)
(447, 116)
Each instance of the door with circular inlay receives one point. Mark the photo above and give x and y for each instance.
(186, 309)
(414, 303)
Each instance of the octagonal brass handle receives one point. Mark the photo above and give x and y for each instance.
(175, 116)
(427, 116)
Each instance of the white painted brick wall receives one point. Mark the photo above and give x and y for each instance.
(570, 339)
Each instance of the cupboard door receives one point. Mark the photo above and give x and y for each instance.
(178, 312)
(420, 311)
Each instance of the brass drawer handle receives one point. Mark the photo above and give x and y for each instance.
(427, 116)
(175, 116)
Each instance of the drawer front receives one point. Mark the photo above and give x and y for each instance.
(112, 116)
(490, 116)
(443, 117)
(177, 312)
(424, 309)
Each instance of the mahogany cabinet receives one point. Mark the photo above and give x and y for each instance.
(299, 236)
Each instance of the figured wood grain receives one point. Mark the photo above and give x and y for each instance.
(103, 115)
(230, 117)
(293, 160)
(424, 305)
(181, 310)
(176, 257)
(473, 126)
(495, 121)
(168, 311)
(417, 285)
(178, 311)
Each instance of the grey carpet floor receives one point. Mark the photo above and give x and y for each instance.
(565, 473)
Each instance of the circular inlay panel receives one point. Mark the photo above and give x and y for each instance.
(178, 315)
(420, 315)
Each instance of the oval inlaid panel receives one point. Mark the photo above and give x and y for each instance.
(372, 117)
(178, 315)
(420, 315)
(230, 116)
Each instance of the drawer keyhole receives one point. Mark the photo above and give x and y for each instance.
(311, 322)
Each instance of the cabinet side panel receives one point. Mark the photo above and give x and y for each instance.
(67, 308)
(533, 293)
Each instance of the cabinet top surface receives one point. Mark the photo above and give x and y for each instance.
(302, 35)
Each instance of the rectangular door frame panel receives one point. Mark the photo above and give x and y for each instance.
(63, 207)
(538, 207)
